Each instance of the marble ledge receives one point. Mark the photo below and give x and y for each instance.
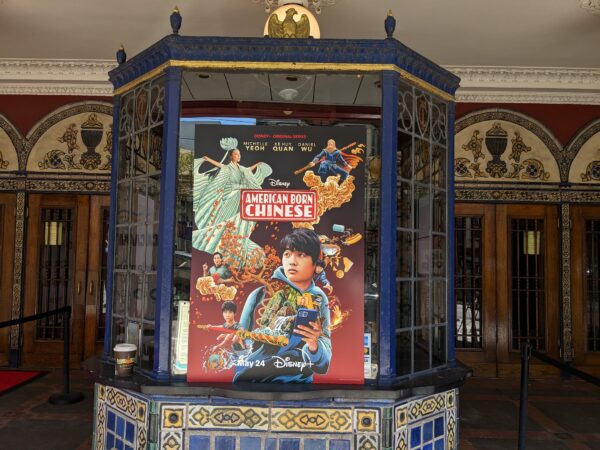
(439, 381)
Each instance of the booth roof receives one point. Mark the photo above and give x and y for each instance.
(268, 54)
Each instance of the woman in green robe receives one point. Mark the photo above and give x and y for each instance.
(217, 202)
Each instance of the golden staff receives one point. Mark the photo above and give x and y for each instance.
(279, 341)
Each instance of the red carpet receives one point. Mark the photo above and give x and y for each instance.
(10, 379)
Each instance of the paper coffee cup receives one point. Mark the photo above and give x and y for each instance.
(124, 359)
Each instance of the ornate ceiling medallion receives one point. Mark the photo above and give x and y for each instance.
(292, 21)
(591, 6)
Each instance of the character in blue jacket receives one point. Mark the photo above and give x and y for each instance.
(309, 348)
(331, 162)
(321, 277)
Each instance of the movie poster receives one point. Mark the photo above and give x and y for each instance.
(277, 276)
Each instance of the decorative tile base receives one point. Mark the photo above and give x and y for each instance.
(131, 421)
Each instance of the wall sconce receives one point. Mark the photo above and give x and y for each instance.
(53, 232)
(531, 242)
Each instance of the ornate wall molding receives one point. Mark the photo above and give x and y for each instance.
(17, 270)
(55, 77)
(91, 185)
(523, 194)
(551, 85)
(479, 84)
(565, 254)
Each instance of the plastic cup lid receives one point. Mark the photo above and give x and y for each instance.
(125, 348)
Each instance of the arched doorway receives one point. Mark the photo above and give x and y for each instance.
(55, 190)
(509, 258)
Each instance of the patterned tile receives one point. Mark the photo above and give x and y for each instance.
(227, 417)
(121, 418)
(301, 419)
(230, 427)
(424, 407)
(367, 442)
(401, 439)
(100, 424)
(171, 440)
(366, 420)
(172, 416)
(451, 430)
(401, 416)
(118, 399)
(450, 398)
(142, 410)
(142, 439)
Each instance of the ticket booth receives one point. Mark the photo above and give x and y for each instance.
(281, 214)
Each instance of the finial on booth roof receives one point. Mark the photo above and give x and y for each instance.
(175, 20)
(121, 55)
(390, 24)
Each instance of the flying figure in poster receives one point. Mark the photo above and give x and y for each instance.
(331, 162)
(217, 198)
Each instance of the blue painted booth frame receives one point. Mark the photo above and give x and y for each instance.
(413, 421)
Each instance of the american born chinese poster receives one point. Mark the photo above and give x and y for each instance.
(278, 257)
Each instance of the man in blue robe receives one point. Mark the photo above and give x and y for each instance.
(331, 162)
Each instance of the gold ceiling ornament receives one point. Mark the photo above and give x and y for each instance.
(292, 21)
(591, 6)
(315, 5)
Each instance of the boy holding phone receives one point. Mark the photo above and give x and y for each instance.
(298, 310)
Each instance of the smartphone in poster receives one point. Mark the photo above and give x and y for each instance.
(277, 255)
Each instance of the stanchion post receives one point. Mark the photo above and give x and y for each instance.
(67, 346)
(525, 356)
(67, 397)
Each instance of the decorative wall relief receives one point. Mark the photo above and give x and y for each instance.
(474, 146)
(530, 169)
(592, 172)
(8, 153)
(483, 153)
(79, 143)
(91, 135)
(496, 139)
(518, 147)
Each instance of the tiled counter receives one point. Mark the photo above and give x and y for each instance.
(128, 420)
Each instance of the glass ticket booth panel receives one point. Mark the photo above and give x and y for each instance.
(244, 140)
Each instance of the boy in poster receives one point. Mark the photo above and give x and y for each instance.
(309, 347)
(230, 341)
(321, 277)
